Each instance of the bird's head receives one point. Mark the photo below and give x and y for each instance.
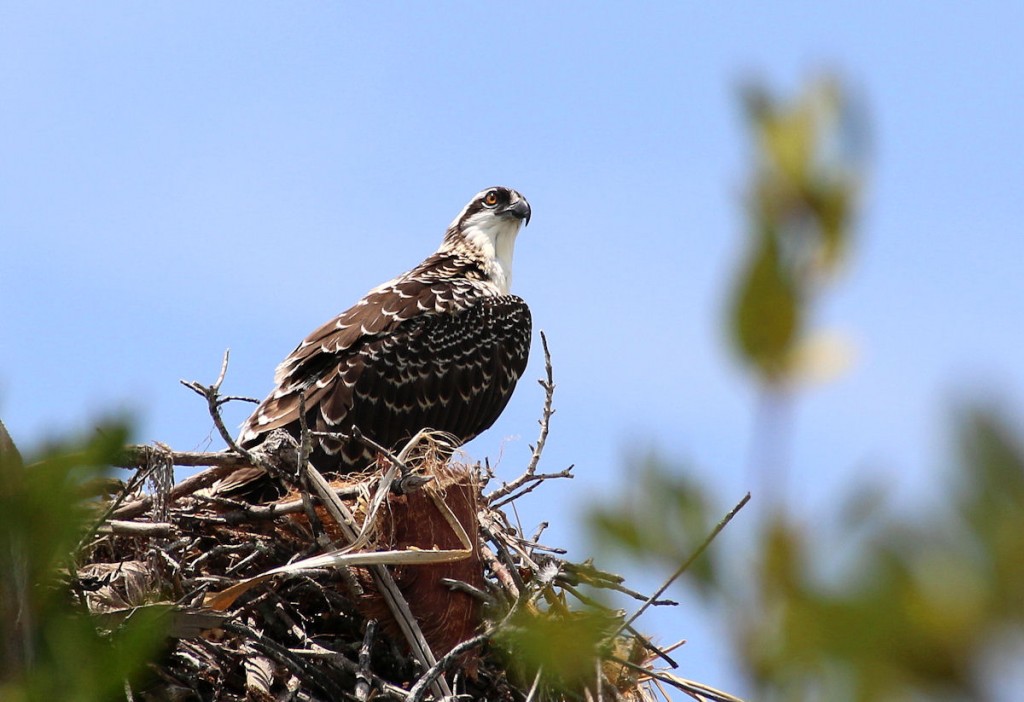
(493, 209)
(488, 224)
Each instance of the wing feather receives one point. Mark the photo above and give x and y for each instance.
(391, 369)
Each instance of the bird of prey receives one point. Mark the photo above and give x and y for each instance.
(440, 346)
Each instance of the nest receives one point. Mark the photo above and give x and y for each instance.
(408, 582)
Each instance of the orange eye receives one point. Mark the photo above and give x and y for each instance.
(491, 198)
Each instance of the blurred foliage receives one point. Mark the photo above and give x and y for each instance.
(49, 650)
(922, 607)
(566, 645)
(917, 608)
(662, 517)
(865, 604)
(800, 199)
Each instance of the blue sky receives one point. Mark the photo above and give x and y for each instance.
(180, 178)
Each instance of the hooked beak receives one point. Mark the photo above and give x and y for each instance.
(520, 209)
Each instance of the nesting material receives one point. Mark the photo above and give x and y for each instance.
(408, 582)
(416, 521)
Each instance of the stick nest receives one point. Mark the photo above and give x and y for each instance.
(409, 582)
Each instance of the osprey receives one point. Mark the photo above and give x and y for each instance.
(440, 346)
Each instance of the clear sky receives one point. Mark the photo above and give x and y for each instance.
(177, 178)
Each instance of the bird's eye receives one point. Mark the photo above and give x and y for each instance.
(491, 198)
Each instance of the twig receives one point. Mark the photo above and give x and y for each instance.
(549, 393)
(301, 464)
(533, 480)
(214, 402)
(536, 684)
(501, 573)
(416, 694)
(186, 487)
(112, 509)
(390, 690)
(462, 586)
(686, 564)
(140, 456)
(274, 510)
(531, 468)
(419, 690)
(505, 557)
(536, 535)
(121, 528)
(572, 574)
(270, 648)
(258, 550)
(363, 676)
(697, 691)
(409, 481)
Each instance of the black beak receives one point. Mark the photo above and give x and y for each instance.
(520, 209)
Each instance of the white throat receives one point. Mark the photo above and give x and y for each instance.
(495, 240)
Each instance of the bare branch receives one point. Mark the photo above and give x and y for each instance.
(187, 486)
(549, 393)
(525, 484)
(214, 401)
(698, 691)
(363, 676)
(529, 474)
(358, 435)
(121, 528)
(303, 468)
(140, 456)
(419, 690)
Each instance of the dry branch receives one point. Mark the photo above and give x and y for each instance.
(529, 479)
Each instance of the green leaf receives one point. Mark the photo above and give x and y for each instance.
(802, 196)
(766, 311)
(48, 648)
(566, 645)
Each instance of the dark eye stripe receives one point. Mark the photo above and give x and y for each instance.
(477, 205)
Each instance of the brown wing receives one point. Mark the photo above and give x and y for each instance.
(452, 371)
(315, 363)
